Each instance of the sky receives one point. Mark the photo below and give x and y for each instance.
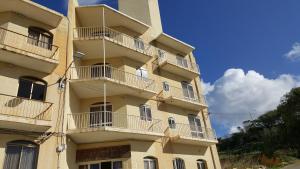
(248, 51)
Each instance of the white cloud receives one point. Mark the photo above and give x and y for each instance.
(236, 94)
(294, 53)
(233, 129)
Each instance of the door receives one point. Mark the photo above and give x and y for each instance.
(188, 91)
(97, 70)
(195, 126)
(99, 117)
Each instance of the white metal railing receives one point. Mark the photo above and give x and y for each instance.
(180, 93)
(114, 74)
(26, 44)
(22, 107)
(192, 131)
(164, 56)
(90, 33)
(94, 120)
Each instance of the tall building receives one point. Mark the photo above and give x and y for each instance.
(99, 89)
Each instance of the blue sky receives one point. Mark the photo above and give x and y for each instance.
(248, 51)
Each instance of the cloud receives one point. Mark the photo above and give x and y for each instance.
(238, 95)
(294, 53)
(92, 2)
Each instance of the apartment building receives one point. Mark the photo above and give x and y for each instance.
(32, 60)
(99, 89)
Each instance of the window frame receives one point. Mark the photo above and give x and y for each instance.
(34, 81)
(22, 144)
(35, 37)
(172, 126)
(203, 162)
(144, 114)
(166, 86)
(150, 159)
(142, 73)
(98, 118)
(188, 91)
(176, 161)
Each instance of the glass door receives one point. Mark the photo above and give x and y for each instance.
(99, 117)
(195, 126)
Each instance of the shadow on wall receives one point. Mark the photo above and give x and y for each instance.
(183, 149)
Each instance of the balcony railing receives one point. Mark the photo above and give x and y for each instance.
(94, 120)
(92, 33)
(180, 93)
(27, 44)
(119, 76)
(179, 61)
(192, 131)
(26, 108)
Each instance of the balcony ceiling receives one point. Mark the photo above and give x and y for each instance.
(174, 43)
(93, 16)
(32, 10)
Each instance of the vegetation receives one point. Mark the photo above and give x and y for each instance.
(274, 135)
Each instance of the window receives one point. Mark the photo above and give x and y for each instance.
(161, 54)
(178, 163)
(139, 44)
(171, 122)
(145, 112)
(21, 154)
(32, 88)
(166, 86)
(97, 70)
(99, 117)
(103, 165)
(188, 91)
(181, 61)
(195, 126)
(40, 37)
(150, 163)
(201, 164)
(142, 73)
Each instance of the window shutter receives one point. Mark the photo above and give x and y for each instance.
(38, 91)
(142, 112)
(148, 113)
(191, 91)
(185, 89)
(24, 88)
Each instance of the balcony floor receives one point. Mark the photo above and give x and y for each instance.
(193, 141)
(21, 123)
(93, 48)
(26, 59)
(175, 69)
(95, 88)
(102, 134)
(191, 105)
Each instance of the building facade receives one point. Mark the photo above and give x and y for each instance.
(99, 89)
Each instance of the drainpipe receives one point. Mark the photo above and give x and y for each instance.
(104, 59)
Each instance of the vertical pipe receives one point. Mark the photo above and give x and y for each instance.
(104, 58)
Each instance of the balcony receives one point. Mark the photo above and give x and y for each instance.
(88, 82)
(189, 134)
(106, 126)
(176, 65)
(89, 40)
(176, 96)
(20, 50)
(24, 114)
